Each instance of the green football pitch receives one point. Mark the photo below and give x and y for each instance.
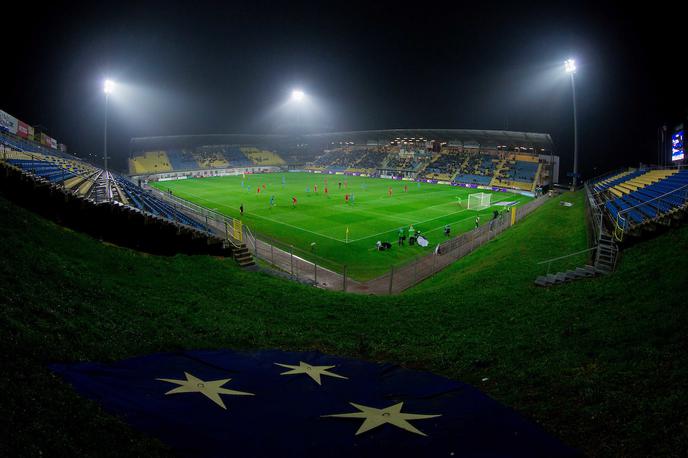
(371, 214)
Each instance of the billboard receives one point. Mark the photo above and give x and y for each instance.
(8, 122)
(45, 140)
(22, 129)
(677, 148)
(53, 143)
(32, 134)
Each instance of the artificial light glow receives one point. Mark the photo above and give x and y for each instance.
(297, 95)
(109, 86)
(570, 66)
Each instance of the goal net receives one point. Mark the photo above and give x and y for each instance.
(478, 201)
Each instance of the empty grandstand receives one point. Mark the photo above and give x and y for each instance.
(93, 183)
(639, 200)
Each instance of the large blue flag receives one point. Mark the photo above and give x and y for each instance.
(276, 403)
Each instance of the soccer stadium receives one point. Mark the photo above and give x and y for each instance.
(329, 287)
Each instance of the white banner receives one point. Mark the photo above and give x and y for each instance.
(8, 122)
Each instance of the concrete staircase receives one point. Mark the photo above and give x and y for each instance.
(243, 257)
(605, 262)
(570, 275)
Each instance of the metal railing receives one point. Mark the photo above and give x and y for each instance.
(560, 258)
(309, 267)
(621, 222)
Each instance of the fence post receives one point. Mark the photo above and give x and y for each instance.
(391, 278)
(291, 258)
(272, 253)
(226, 231)
(315, 273)
(344, 285)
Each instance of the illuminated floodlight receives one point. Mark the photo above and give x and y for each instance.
(297, 95)
(570, 66)
(108, 86)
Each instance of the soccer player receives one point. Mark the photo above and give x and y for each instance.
(326, 192)
(401, 236)
(263, 185)
(389, 191)
(340, 185)
(447, 230)
(293, 201)
(272, 200)
(405, 188)
(315, 188)
(346, 198)
(258, 190)
(352, 197)
(241, 209)
(412, 235)
(477, 221)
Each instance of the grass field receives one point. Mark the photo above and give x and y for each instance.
(600, 363)
(324, 218)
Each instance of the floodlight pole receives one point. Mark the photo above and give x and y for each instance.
(575, 133)
(105, 152)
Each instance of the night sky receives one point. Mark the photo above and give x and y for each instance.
(202, 68)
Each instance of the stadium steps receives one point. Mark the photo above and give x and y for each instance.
(568, 276)
(243, 257)
(605, 261)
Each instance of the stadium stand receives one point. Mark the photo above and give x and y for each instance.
(201, 158)
(262, 157)
(146, 201)
(150, 162)
(86, 181)
(209, 157)
(638, 199)
(182, 159)
(236, 158)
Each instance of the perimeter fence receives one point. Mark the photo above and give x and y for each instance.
(308, 267)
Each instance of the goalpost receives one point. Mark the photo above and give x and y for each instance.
(478, 201)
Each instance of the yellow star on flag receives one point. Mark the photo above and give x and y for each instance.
(212, 389)
(376, 417)
(313, 372)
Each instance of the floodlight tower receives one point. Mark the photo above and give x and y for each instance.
(570, 67)
(298, 98)
(108, 87)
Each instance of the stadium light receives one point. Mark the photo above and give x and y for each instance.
(297, 95)
(108, 88)
(570, 67)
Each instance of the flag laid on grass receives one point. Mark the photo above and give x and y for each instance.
(275, 403)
